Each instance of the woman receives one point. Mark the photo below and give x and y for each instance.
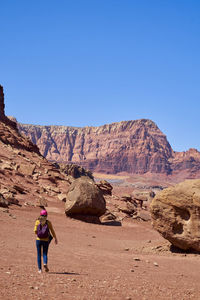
(43, 229)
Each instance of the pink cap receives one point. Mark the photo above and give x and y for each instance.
(43, 212)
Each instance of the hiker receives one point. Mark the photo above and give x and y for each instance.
(44, 231)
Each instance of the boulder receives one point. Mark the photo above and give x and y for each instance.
(75, 171)
(108, 216)
(105, 187)
(175, 213)
(20, 189)
(143, 215)
(3, 201)
(126, 197)
(127, 208)
(140, 197)
(84, 198)
(7, 166)
(27, 169)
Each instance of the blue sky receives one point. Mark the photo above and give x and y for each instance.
(94, 62)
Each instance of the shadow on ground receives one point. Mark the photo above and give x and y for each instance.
(112, 223)
(66, 273)
(175, 249)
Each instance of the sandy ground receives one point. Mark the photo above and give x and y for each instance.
(92, 262)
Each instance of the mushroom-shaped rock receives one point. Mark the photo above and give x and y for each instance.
(84, 198)
(175, 213)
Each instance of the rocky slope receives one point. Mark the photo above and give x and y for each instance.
(29, 179)
(135, 147)
(26, 177)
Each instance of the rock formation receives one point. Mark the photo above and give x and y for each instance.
(175, 214)
(132, 146)
(84, 198)
(2, 105)
(29, 179)
(75, 171)
(105, 187)
(186, 163)
(26, 177)
(3, 117)
(129, 146)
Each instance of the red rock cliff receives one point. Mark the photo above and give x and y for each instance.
(9, 133)
(2, 105)
(131, 146)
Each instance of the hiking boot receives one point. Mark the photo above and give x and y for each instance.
(39, 271)
(46, 268)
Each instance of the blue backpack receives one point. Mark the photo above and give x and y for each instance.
(43, 231)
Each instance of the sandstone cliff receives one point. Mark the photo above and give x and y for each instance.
(128, 146)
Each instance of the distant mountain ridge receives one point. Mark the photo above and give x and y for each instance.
(136, 146)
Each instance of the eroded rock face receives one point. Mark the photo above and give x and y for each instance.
(84, 198)
(188, 162)
(175, 214)
(2, 105)
(25, 175)
(132, 146)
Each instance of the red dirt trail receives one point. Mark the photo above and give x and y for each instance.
(92, 262)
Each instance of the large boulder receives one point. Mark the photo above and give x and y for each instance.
(84, 198)
(175, 213)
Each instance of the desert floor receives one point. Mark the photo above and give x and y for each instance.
(92, 262)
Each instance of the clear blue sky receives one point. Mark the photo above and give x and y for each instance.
(94, 62)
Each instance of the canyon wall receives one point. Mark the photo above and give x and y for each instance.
(129, 146)
(136, 147)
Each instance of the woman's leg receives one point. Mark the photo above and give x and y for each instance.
(45, 252)
(38, 246)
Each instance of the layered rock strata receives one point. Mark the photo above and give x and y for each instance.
(129, 146)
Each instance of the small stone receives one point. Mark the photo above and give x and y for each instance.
(126, 249)
(137, 259)
(132, 270)
(155, 264)
(31, 287)
(5, 210)
(36, 288)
